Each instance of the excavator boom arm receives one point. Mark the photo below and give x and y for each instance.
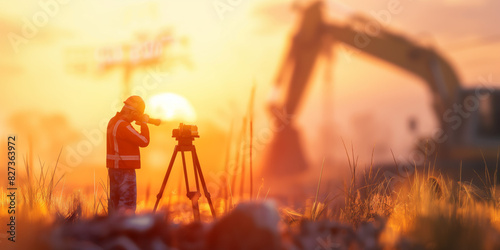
(399, 51)
(314, 33)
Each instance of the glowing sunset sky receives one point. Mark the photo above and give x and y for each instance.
(228, 52)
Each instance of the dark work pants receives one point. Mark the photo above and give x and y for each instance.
(122, 190)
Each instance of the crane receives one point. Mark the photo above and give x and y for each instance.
(469, 119)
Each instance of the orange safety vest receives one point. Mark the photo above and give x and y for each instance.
(123, 142)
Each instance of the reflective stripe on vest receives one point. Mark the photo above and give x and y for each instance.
(129, 127)
(116, 157)
(115, 141)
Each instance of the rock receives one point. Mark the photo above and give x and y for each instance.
(139, 223)
(121, 243)
(368, 233)
(248, 226)
(144, 231)
(324, 235)
(190, 236)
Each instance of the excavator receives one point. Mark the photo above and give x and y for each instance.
(469, 119)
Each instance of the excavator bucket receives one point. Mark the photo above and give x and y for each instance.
(284, 156)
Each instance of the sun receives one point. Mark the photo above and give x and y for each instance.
(170, 107)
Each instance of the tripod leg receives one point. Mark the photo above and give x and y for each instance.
(195, 172)
(185, 171)
(160, 194)
(193, 196)
(205, 189)
(196, 208)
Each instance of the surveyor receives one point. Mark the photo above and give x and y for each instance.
(123, 156)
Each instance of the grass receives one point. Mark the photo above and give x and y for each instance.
(429, 211)
(452, 216)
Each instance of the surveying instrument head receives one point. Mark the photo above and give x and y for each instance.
(185, 134)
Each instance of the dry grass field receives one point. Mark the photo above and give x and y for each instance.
(426, 212)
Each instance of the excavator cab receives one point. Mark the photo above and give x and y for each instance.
(474, 125)
(488, 120)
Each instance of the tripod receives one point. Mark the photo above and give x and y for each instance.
(186, 144)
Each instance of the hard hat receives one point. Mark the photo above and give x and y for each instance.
(135, 103)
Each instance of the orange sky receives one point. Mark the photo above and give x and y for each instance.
(227, 56)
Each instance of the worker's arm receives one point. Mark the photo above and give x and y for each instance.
(130, 134)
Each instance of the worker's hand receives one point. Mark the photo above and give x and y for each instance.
(142, 120)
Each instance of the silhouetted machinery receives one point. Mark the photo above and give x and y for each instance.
(469, 119)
